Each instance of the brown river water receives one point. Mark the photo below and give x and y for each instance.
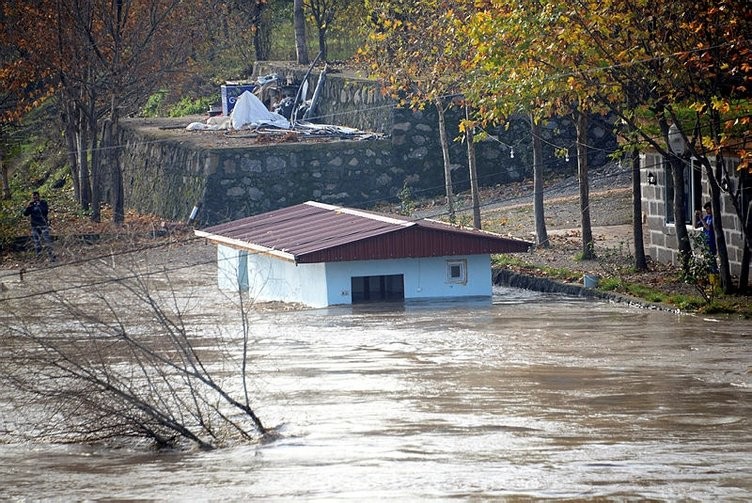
(533, 396)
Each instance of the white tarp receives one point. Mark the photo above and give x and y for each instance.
(218, 123)
(250, 111)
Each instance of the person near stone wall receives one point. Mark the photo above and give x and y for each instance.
(706, 222)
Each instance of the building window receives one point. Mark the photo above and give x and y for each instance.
(457, 271)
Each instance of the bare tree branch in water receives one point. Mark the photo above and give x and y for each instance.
(130, 359)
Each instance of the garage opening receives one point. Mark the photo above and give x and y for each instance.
(388, 288)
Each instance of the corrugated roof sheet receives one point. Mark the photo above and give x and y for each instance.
(314, 232)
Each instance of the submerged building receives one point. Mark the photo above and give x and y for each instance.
(322, 255)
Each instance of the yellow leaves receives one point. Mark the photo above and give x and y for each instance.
(378, 36)
(392, 24)
(722, 105)
(623, 55)
(745, 157)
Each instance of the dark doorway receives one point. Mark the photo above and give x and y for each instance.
(389, 288)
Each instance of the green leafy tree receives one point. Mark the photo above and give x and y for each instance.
(253, 10)
(416, 51)
(646, 62)
(680, 64)
(513, 62)
(324, 12)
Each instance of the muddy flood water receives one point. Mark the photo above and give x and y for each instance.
(533, 396)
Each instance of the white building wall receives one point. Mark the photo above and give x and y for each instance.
(267, 278)
(232, 272)
(274, 279)
(423, 277)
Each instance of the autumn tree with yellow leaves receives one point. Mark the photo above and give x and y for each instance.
(652, 64)
(417, 50)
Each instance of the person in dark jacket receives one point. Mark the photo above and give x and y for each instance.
(37, 211)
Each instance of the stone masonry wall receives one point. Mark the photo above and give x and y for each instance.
(248, 181)
(161, 176)
(167, 175)
(168, 178)
(661, 240)
(353, 101)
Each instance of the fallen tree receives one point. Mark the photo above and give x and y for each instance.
(112, 354)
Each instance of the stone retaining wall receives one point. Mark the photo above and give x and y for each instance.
(161, 176)
(243, 182)
(169, 178)
(168, 175)
(351, 100)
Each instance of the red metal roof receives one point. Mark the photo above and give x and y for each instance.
(314, 232)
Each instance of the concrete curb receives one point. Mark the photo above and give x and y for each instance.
(505, 277)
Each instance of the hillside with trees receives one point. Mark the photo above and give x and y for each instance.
(83, 66)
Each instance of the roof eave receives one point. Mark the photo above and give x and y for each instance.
(245, 245)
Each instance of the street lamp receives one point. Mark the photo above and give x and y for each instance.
(676, 141)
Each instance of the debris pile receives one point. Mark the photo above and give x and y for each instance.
(273, 109)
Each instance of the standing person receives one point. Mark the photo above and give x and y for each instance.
(38, 210)
(706, 222)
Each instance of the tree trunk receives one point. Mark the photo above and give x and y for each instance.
(5, 174)
(444, 139)
(720, 237)
(322, 44)
(541, 234)
(301, 48)
(261, 48)
(472, 167)
(261, 33)
(96, 170)
(83, 162)
(70, 141)
(588, 249)
(744, 273)
(676, 165)
(684, 246)
(641, 263)
(113, 156)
